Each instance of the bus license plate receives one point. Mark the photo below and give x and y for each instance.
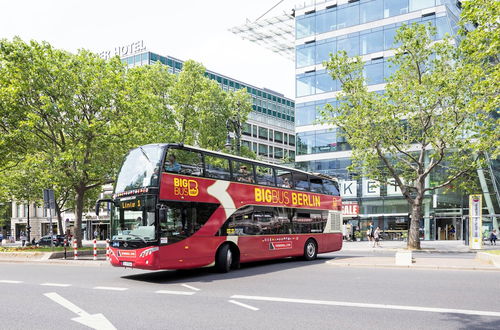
(127, 263)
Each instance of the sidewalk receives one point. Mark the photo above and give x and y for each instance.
(420, 261)
(426, 246)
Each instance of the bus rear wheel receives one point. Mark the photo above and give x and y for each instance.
(224, 259)
(310, 250)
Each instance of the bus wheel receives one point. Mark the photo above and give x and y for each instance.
(310, 250)
(224, 259)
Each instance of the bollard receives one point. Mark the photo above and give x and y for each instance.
(75, 249)
(95, 249)
(65, 246)
(107, 249)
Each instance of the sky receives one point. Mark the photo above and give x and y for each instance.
(196, 29)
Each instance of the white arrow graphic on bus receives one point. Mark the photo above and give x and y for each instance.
(219, 191)
(95, 321)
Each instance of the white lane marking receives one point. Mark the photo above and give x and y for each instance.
(112, 288)
(243, 305)
(56, 284)
(365, 305)
(96, 321)
(10, 282)
(185, 293)
(190, 287)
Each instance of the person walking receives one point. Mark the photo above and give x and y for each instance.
(376, 237)
(22, 236)
(493, 237)
(369, 233)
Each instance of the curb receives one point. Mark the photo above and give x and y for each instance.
(489, 258)
(67, 262)
(411, 266)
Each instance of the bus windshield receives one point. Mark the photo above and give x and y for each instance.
(140, 168)
(134, 219)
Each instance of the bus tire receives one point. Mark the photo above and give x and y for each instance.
(224, 259)
(310, 250)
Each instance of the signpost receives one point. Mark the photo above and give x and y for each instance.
(475, 222)
(49, 203)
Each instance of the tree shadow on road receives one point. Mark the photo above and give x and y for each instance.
(209, 274)
(464, 321)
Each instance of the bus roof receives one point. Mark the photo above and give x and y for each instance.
(286, 168)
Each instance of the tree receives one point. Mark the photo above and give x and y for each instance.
(422, 123)
(70, 107)
(184, 108)
(25, 183)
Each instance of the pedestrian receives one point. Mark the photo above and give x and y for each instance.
(95, 234)
(376, 237)
(493, 237)
(22, 236)
(369, 232)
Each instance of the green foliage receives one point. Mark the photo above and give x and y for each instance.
(67, 120)
(427, 117)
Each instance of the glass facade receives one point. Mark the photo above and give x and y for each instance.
(360, 28)
(365, 42)
(355, 13)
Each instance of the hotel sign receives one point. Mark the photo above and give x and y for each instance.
(125, 50)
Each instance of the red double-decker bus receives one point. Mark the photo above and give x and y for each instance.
(177, 207)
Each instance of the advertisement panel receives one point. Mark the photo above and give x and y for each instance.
(475, 221)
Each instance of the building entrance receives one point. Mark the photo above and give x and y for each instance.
(448, 228)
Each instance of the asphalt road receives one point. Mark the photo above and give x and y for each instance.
(282, 294)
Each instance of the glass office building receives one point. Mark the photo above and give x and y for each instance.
(269, 130)
(367, 28)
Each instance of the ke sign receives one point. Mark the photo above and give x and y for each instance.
(475, 221)
(350, 208)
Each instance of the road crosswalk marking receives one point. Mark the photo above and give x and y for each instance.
(10, 281)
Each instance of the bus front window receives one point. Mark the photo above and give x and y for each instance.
(135, 220)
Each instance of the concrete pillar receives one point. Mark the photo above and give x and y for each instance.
(427, 221)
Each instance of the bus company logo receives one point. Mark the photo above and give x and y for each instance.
(185, 187)
(280, 245)
(274, 196)
(126, 254)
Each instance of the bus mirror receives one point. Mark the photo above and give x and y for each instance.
(98, 204)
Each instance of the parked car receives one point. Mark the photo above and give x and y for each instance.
(45, 240)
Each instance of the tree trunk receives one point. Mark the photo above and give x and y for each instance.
(59, 220)
(28, 227)
(79, 202)
(416, 215)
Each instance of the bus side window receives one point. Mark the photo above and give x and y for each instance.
(317, 185)
(301, 181)
(217, 167)
(265, 175)
(283, 179)
(331, 187)
(190, 162)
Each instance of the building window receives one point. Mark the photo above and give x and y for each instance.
(263, 150)
(246, 129)
(278, 136)
(263, 133)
